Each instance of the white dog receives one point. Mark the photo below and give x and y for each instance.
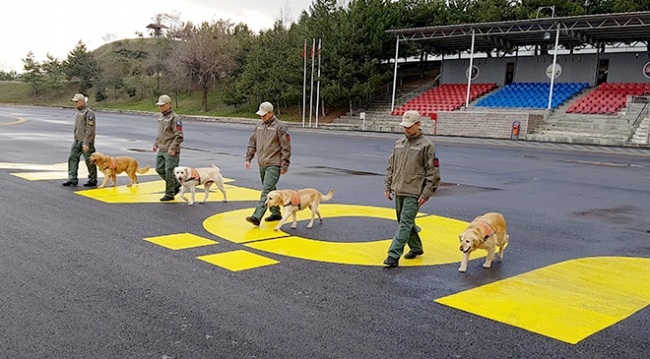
(192, 177)
(485, 232)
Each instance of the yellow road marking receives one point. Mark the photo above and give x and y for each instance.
(33, 166)
(180, 241)
(150, 192)
(439, 237)
(20, 120)
(237, 260)
(568, 301)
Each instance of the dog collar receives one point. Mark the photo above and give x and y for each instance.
(295, 199)
(487, 229)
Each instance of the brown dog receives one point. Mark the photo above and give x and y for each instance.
(485, 232)
(112, 166)
(294, 201)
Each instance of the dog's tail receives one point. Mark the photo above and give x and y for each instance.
(328, 196)
(143, 170)
(213, 166)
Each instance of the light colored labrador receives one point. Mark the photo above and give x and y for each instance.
(485, 232)
(293, 201)
(190, 177)
(112, 166)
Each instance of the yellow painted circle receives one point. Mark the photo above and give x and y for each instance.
(439, 237)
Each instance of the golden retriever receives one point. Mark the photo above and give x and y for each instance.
(293, 201)
(485, 232)
(112, 166)
(191, 177)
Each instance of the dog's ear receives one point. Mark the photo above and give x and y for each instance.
(460, 237)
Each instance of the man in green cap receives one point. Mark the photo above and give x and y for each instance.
(271, 143)
(168, 146)
(84, 143)
(412, 176)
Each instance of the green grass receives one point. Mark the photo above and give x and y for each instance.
(185, 104)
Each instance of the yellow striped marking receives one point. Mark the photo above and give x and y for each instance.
(237, 260)
(567, 301)
(439, 237)
(180, 241)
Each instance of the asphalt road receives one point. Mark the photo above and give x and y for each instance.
(79, 281)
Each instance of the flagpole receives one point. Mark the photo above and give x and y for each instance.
(304, 83)
(311, 87)
(318, 83)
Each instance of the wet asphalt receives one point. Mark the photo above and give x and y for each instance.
(79, 281)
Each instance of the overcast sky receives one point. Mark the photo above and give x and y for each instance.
(55, 26)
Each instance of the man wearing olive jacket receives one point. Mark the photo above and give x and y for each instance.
(412, 176)
(84, 143)
(168, 146)
(271, 143)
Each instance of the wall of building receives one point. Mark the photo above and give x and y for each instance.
(626, 66)
(485, 124)
(623, 67)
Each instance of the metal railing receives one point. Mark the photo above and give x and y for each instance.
(417, 92)
(635, 125)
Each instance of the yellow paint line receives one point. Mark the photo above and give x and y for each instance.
(150, 192)
(237, 260)
(62, 173)
(20, 120)
(180, 241)
(34, 166)
(567, 301)
(439, 236)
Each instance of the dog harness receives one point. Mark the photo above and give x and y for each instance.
(295, 199)
(487, 229)
(112, 165)
(195, 176)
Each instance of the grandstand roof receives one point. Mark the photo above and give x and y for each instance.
(575, 31)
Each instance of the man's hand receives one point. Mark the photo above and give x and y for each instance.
(283, 172)
(388, 196)
(421, 201)
(171, 152)
(86, 148)
(155, 148)
(247, 164)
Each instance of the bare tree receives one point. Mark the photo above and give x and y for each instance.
(206, 54)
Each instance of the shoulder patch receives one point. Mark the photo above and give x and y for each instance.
(179, 125)
(436, 161)
(286, 131)
(91, 119)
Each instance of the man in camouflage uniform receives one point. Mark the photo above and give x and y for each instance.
(272, 144)
(168, 146)
(84, 143)
(412, 176)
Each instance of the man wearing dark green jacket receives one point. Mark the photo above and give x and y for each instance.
(412, 176)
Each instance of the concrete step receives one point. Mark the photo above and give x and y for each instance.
(568, 126)
(577, 139)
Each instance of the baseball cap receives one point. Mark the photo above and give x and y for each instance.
(410, 118)
(163, 100)
(79, 97)
(265, 107)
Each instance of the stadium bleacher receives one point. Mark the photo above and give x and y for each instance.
(533, 95)
(608, 98)
(446, 97)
